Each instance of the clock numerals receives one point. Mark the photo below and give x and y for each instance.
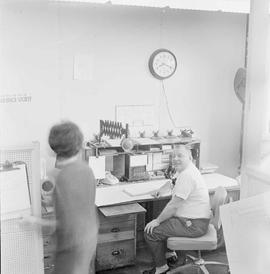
(162, 64)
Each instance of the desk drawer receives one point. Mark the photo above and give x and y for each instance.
(104, 221)
(110, 232)
(115, 254)
(112, 237)
(110, 227)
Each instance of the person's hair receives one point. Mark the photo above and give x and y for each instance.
(65, 139)
(186, 149)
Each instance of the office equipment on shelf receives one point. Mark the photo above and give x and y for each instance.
(158, 153)
(186, 133)
(170, 138)
(110, 179)
(156, 135)
(160, 161)
(97, 165)
(135, 168)
(112, 129)
(246, 226)
(127, 144)
(15, 193)
(21, 244)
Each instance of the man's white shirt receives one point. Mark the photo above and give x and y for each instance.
(190, 187)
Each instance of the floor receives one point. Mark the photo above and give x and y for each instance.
(144, 261)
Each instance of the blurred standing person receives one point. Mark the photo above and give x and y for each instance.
(76, 214)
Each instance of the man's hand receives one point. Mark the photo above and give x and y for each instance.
(155, 193)
(36, 221)
(150, 226)
(28, 220)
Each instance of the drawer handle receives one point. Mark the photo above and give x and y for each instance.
(116, 252)
(115, 229)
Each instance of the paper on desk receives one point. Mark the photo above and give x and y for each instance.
(145, 189)
(246, 226)
(97, 164)
(14, 192)
(117, 194)
(111, 196)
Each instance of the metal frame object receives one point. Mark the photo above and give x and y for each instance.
(21, 244)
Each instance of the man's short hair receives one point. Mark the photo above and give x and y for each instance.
(65, 139)
(186, 148)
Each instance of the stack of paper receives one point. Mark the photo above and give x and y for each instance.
(146, 189)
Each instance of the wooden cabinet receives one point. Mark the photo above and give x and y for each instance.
(117, 236)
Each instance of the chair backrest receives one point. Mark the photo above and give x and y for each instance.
(219, 198)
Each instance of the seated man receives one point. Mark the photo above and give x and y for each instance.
(186, 215)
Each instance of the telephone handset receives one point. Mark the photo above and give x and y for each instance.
(110, 179)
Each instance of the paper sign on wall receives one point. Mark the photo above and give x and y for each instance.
(83, 67)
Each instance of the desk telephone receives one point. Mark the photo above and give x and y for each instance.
(110, 179)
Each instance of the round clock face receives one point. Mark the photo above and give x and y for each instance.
(162, 64)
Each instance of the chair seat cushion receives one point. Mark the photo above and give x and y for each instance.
(205, 242)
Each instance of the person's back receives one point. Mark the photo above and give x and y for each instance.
(75, 205)
(76, 231)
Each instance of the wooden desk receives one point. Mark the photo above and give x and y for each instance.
(112, 195)
(112, 199)
(117, 236)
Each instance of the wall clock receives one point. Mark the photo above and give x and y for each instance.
(162, 64)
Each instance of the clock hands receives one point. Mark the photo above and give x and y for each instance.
(164, 64)
(167, 66)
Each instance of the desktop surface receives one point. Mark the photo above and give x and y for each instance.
(129, 192)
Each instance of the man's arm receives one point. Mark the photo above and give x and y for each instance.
(166, 188)
(170, 209)
(33, 220)
(168, 212)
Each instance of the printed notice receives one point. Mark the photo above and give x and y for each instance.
(14, 192)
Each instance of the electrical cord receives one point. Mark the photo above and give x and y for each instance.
(167, 105)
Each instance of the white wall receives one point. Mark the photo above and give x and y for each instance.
(41, 40)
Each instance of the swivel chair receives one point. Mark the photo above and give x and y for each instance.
(207, 242)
